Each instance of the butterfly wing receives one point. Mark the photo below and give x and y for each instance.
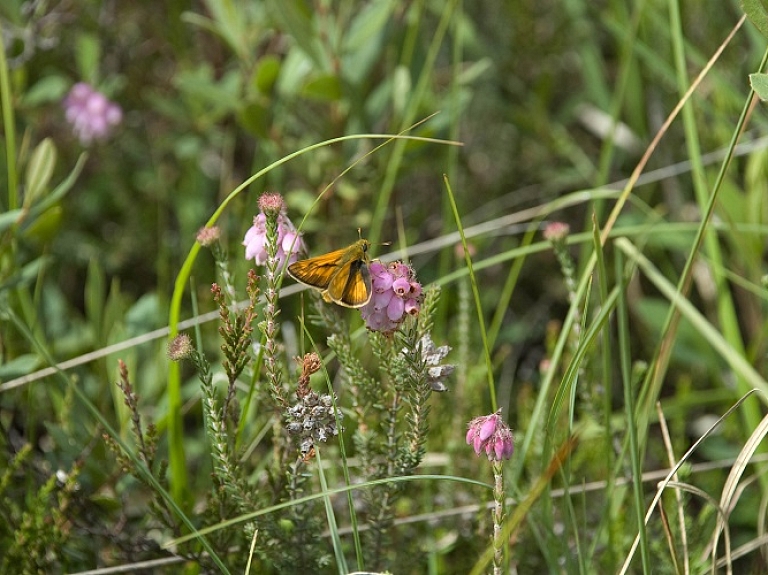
(316, 272)
(350, 286)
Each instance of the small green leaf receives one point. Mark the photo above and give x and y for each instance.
(254, 118)
(87, 55)
(19, 366)
(12, 12)
(26, 275)
(229, 24)
(326, 88)
(207, 96)
(296, 18)
(759, 83)
(50, 88)
(39, 171)
(266, 74)
(475, 70)
(368, 23)
(7, 219)
(45, 225)
(757, 12)
(364, 42)
(401, 89)
(58, 192)
(94, 295)
(296, 67)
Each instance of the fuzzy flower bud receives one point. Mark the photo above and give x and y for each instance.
(90, 113)
(206, 237)
(180, 347)
(271, 203)
(396, 294)
(491, 435)
(556, 232)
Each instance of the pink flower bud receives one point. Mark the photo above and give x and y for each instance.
(491, 435)
(488, 427)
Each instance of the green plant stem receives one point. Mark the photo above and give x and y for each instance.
(475, 291)
(629, 408)
(9, 129)
(331, 518)
(498, 516)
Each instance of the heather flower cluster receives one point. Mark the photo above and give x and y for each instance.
(91, 114)
(395, 295)
(312, 419)
(289, 242)
(491, 435)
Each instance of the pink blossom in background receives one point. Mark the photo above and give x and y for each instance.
(90, 113)
(556, 232)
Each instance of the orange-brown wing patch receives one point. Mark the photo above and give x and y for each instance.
(358, 292)
(316, 272)
(351, 285)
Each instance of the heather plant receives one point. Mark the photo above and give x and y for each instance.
(561, 366)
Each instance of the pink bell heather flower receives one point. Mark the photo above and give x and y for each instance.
(491, 435)
(396, 295)
(91, 114)
(289, 242)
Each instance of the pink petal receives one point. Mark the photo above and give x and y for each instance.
(412, 307)
(401, 286)
(488, 426)
(96, 103)
(395, 309)
(381, 300)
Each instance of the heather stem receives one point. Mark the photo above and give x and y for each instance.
(271, 310)
(498, 515)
